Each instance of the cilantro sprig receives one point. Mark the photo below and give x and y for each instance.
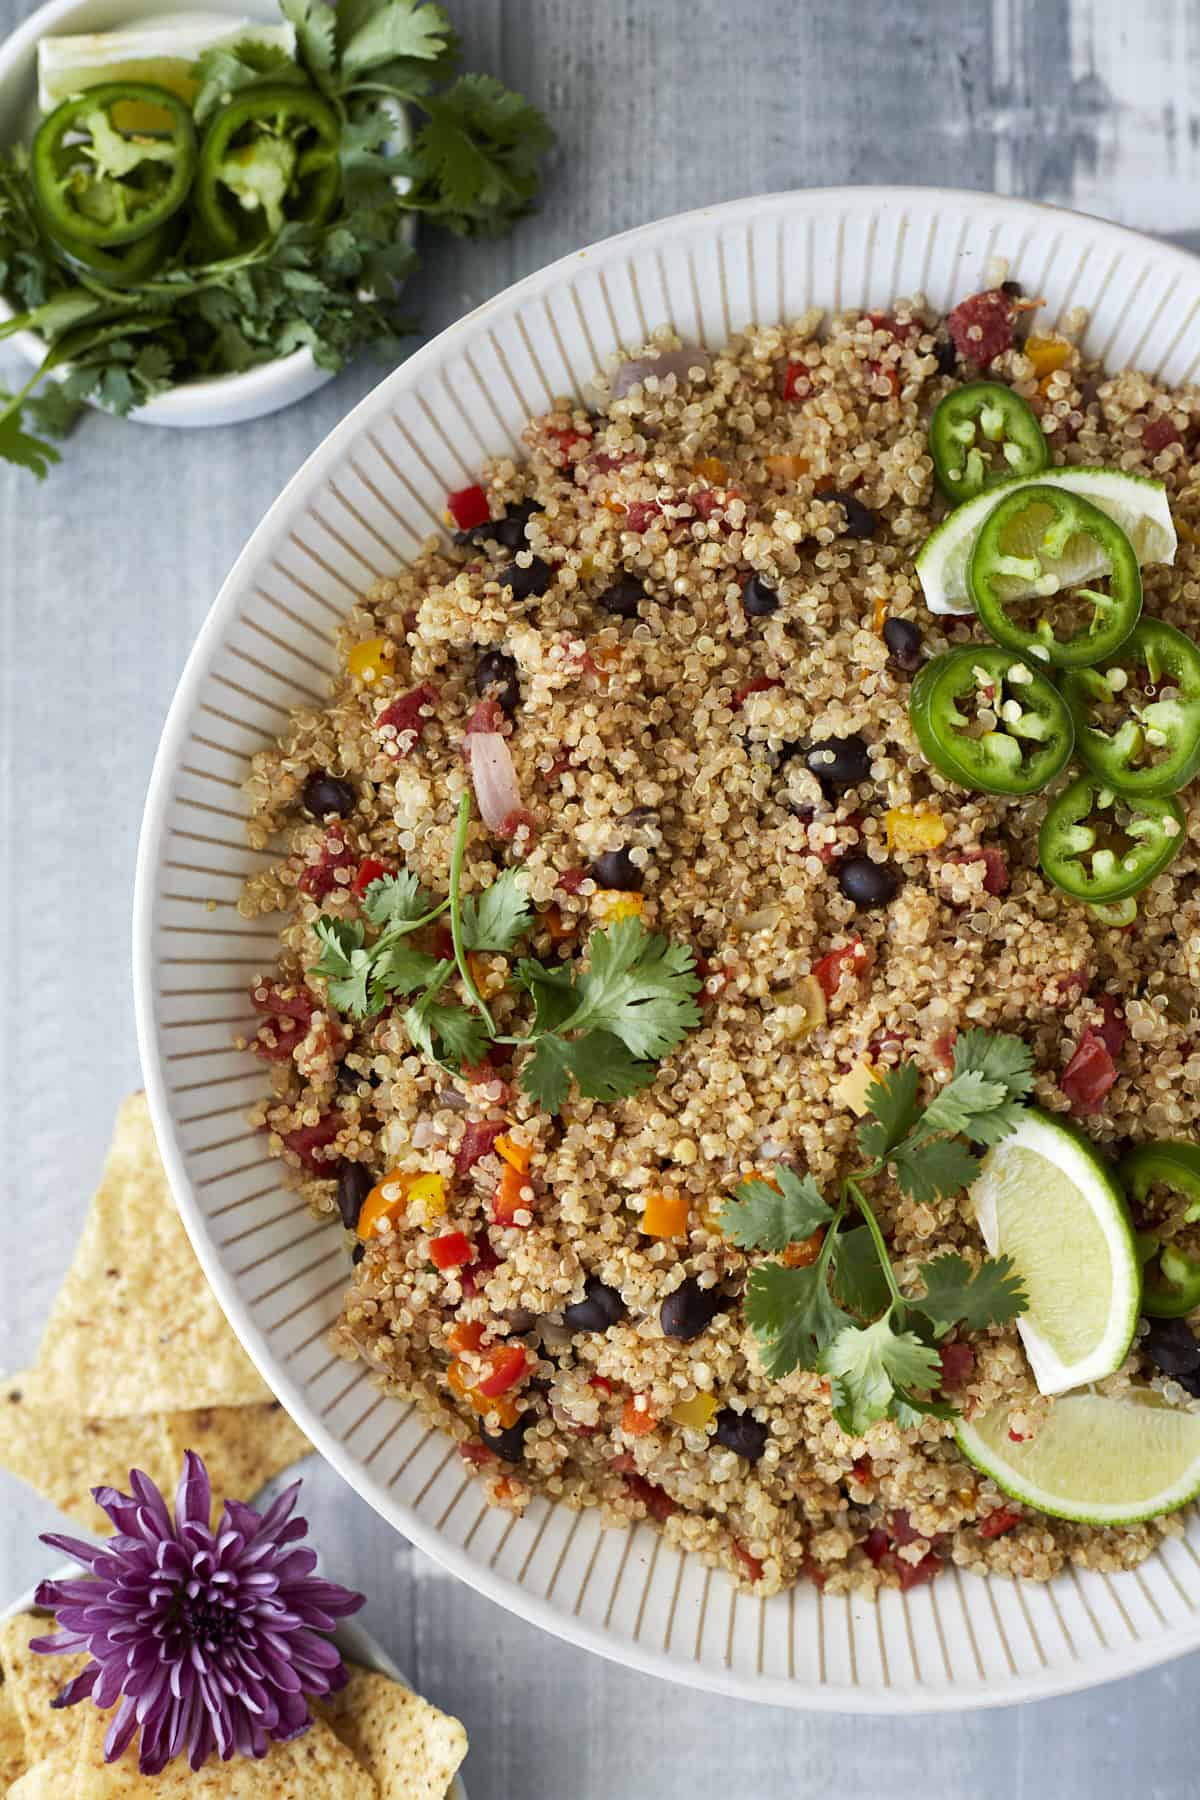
(602, 1030)
(845, 1314)
(469, 161)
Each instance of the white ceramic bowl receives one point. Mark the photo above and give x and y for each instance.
(351, 1637)
(359, 506)
(223, 399)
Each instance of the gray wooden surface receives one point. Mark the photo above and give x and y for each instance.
(110, 566)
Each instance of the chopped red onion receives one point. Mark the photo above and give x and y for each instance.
(495, 779)
(666, 362)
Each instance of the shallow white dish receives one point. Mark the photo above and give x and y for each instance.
(359, 506)
(352, 1639)
(225, 399)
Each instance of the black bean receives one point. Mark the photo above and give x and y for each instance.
(354, 1183)
(1172, 1347)
(621, 599)
(689, 1310)
(945, 355)
(616, 869)
(497, 673)
(742, 1433)
(349, 1080)
(509, 1444)
(839, 762)
(600, 1307)
(1013, 289)
(869, 884)
(325, 794)
(903, 639)
(861, 522)
(357, 1254)
(508, 531)
(528, 583)
(759, 600)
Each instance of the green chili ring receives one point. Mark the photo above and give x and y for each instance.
(100, 186)
(1157, 647)
(991, 562)
(1153, 829)
(1175, 1166)
(1022, 754)
(276, 119)
(1002, 418)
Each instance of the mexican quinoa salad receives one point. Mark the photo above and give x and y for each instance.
(739, 962)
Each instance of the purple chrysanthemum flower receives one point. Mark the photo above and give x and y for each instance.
(211, 1640)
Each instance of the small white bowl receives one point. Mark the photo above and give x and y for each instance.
(221, 399)
(352, 1639)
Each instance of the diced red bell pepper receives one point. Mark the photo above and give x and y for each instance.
(468, 507)
(640, 514)
(796, 382)
(451, 1250)
(509, 1362)
(602, 1384)
(321, 877)
(958, 1366)
(406, 715)
(751, 1564)
(1114, 1031)
(510, 1197)
(903, 330)
(478, 1455)
(307, 1142)
(760, 685)
(1089, 1075)
(998, 1522)
(566, 437)
(656, 1500)
(465, 1334)
(370, 869)
(852, 957)
(478, 1139)
(983, 325)
(1160, 432)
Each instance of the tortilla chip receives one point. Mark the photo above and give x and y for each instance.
(64, 1456)
(242, 1446)
(135, 1327)
(312, 1766)
(47, 1780)
(412, 1750)
(32, 1682)
(12, 1740)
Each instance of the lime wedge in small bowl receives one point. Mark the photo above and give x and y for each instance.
(1099, 1459)
(1046, 1198)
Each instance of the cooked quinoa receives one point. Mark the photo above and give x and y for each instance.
(660, 726)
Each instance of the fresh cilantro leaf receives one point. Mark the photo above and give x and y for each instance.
(553, 992)
(997, 1056)
(793, 1316)
(397, 903)
(908, 1410)
(892, 1099)
(604, 1069)
(462, 1033)
(957, 1294)
(399, 28)
(497, 917)
(313, 22)
(474, 161)
(18, 446)
(56, 409)
(761, 1217)
(546, 1077)
(396, 968)
(639, 987)
(957, 1106)
(931, 1170)
(867, 1365)
(345, 965)
(226, 68)
(858, 1278)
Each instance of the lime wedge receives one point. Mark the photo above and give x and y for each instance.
(1139, 506)
(1100, 1460)
(1047, 1199)
(162, 51)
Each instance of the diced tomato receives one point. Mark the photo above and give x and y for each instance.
(812, 1571)
(1114, 1031)
(958, 1365)
(517, 820)
(995, 874)
(852, 958)
(465, 1334)
(566, 437)
(862, 1469)
(998, 1522)
(509, 1362)
(485, 1261)
(369, 869)
(913, 1575)
(487, 716)
(468, 507)
(571, 880)
(478, 1455)
(604, 462)
(308, 1141)
(406, 716)
(983, 325)
(890, 374)
(1089, 1075)
(943, 1047)
(510, 1197)
(451, 1250)
(1016, 1437)
(796, 382)
(876, 1545)
(478, 1139)
(706, 502)
(760, 685)
(888, 1047)
(292, 1003)
(903, 330)
(1160, 432)
(640, 514)
(901, 1530)
(321, 877)
(657, 1502)
(442, 942)
(603, 1384)
(751, 1564)
(1069, 985)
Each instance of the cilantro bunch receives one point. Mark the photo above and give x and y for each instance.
(603, 1030)
(470, 165)
(845, 1314)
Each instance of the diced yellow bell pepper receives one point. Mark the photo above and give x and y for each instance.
(851, 1090)
(1046, 354)
(386, 1200)
(611, 904)
(879, 616)
(665, 1215)
(711, 469)
(790, 467)
(372, 659)
(911, 831)
(519, 1155)
(695, 1412)
(429, 1192)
